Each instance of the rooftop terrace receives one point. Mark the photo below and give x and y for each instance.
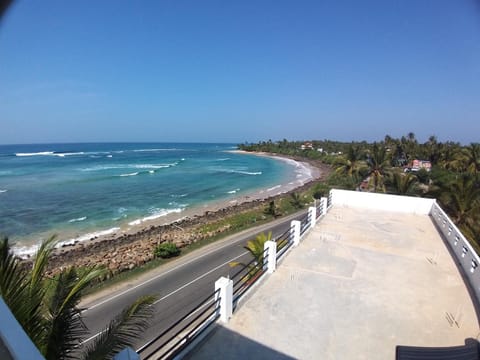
(362, 281)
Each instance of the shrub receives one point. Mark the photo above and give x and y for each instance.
(166, 250)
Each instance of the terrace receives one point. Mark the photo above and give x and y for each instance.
(375, 272)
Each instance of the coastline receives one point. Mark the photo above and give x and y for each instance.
(126, 248)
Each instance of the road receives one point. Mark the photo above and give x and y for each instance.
(179, 285)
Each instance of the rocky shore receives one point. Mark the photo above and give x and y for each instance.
(129, 250)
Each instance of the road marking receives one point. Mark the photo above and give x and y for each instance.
(153, 278)
(198, 278)
(177, 290)
(92, 337)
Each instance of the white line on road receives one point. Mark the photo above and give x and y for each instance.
(150, 280)
(171, 293)
(198, 278)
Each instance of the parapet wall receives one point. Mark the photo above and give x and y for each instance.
(405, 204)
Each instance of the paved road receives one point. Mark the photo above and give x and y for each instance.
(181, 284)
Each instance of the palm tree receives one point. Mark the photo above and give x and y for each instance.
(462, 200)
(272, 209)
(401, 183)
(296, 200)
(122, 330)
(47, 307)
(256, 248)
(377, 165)
(350, 163)
(472, 158)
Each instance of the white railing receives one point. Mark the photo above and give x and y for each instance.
(464, 253)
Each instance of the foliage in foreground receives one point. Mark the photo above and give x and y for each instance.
(47, 308)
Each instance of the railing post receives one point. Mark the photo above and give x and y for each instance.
(295, 231)
(312, 212)
(225, 305)
(271, 258)
(324, 202)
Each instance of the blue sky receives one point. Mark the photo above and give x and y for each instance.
(235, 71)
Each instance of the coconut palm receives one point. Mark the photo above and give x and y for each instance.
(378, 163)
(462, 200)
(296, 200)
(401, 183)
(47, 307)
(471, 158)
(350, 163)
(256, 248)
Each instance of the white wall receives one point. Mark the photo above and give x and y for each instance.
(375, 201)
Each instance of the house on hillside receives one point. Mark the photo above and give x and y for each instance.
(306, 146)
(416, 165)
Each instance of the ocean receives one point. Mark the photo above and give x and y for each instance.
(78, 191)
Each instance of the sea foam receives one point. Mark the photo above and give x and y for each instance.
(159, 214)
(77, 219)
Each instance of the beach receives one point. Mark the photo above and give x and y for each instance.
(133, 246)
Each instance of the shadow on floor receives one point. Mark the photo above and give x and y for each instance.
(223, 343)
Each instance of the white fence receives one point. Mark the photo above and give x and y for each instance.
(465, 255)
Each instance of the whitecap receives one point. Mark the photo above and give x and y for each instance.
(130, 174)
(233, 191)
(151, 172)
(3, 191)
(160, 213)
(77, 219)
(151, 150)
(109, 156)
(42, 153)
(26, 251)
(88, 236)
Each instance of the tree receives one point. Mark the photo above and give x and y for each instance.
(377, 166)
(462, 199)
(256, 248)
(46, 307)
(296, 200)
(471, 158)
(350, 163)
(272, 209)
(401, 183)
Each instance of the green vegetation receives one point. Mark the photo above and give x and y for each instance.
(166, 250)
(384, 166)
(256, 248)
(47, 308)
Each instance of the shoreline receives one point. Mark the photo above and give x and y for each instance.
(126, 248)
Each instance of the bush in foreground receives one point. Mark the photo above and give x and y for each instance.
(166, 250)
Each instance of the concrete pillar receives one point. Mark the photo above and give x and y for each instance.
(312, 212)
(324, 202)
(295, 231)
(225, 305)
(271, 257)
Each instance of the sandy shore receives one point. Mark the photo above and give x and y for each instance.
(132, 245)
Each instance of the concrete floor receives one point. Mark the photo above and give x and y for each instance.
(360, 283)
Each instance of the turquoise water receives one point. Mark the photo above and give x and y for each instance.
(81, 190)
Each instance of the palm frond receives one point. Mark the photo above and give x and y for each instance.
(13, 283)
(65, 327)
(123, 330)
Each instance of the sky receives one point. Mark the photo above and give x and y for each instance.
(236, 71)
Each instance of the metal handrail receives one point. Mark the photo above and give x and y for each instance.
(176, 323)
(185, 338)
